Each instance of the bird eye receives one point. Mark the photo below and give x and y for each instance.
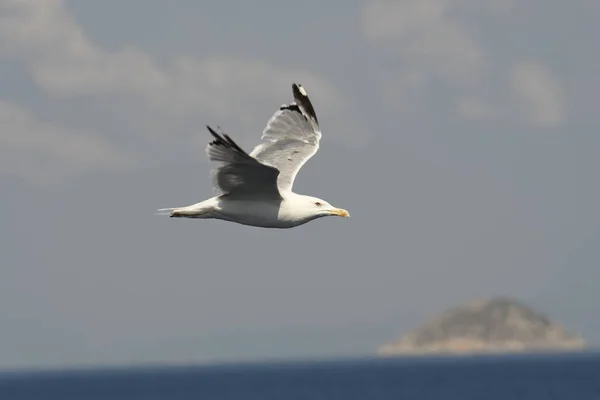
(318, 203)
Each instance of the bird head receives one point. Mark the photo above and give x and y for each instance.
(321, 208)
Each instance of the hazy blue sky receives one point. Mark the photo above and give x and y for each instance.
(462, 136)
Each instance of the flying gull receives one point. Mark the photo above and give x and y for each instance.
(256, 189)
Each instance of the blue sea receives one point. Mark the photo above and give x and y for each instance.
(541, 377)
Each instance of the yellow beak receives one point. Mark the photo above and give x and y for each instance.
(340, 212)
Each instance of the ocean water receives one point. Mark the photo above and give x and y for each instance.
(550, 377)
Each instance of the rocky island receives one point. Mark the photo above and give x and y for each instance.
(498, 325)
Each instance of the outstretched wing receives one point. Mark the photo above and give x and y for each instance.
(239, 173)
(291, 136)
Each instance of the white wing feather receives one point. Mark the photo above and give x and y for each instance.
(240, 173)
(291, 137)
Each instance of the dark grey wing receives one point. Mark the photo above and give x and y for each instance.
(291, 137)
(239, 172)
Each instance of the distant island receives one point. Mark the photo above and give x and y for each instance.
(497, 325)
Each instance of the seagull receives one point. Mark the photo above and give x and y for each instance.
(256, 189)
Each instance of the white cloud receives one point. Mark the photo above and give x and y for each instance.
(42, 151)
(65, 63)
(426, 39)
(426, 36)
(540, 91)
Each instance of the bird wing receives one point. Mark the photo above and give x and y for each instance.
(240, 174)
(291, 137)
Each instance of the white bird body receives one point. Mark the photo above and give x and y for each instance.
(285, 213)
(256, 188)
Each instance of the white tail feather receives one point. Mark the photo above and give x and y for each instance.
(165, 211)
(193, 211)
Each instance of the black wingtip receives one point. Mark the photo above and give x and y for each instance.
(303, 101)
(298, 90)
(223, 140)
(218, 138)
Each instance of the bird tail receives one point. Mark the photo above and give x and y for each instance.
(193, 211)
(165, 211)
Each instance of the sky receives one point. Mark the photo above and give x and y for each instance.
(461, 135)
